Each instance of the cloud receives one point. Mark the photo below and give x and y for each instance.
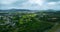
(30, 4)
(7, 1)
(52, 0)
(52, 3)
(40, 2)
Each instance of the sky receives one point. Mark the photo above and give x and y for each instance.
(30, 4)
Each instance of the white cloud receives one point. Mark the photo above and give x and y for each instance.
(29, 4)
(7, 1)
(39, 2)
(33, 4)
(52, 3)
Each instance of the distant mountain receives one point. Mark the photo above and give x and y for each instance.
(14, 10)
(23, 10)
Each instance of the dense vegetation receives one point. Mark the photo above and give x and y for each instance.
(28, 22)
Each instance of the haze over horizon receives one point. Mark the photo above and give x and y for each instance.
(30, 4)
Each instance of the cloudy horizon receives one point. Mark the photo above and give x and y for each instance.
(30, 4)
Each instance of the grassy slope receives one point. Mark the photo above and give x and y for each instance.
(55, 28)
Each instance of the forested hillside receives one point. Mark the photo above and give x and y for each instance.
(30, 22)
